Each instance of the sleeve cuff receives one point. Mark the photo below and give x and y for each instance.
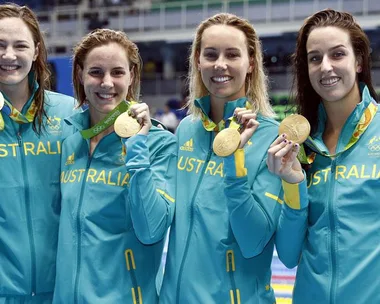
(137, 151)
(234, 165)
(295, 195)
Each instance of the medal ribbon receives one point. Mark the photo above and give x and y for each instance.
(364, 122)
(14, 114)
(107, 121)
(209, 125)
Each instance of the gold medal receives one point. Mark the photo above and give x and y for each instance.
(296, 127)
(226, 142)
(1, 101)
(126, 126)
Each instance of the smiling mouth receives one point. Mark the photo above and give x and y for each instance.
(221, 79)
(330, 81)
(105, 96)
(9, 67)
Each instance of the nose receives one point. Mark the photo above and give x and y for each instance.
(220, 64)
(8, 53)
(326, 65)
(107, 81)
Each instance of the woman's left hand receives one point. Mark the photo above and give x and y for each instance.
(249, 124)
(140, 111)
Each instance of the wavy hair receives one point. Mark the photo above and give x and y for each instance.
(256, 83)
(40, 67)
(99, 38)
(306, 98)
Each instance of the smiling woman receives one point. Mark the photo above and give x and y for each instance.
(332, 206)
(221, 245)
(31, 133)
(117, 188)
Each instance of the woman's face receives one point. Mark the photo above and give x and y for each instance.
(106, 78)
(332, 63)
(17, 53)
(224, 62)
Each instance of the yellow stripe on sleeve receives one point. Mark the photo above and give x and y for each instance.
(274, 197)
(240, 163)
(167, 196)
(291, 195)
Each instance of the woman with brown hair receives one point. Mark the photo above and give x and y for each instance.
(31, 133)
(330, 222)
(117, 186)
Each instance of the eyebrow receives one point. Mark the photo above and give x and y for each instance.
(17, 41)
(330, 49)
(229, 49)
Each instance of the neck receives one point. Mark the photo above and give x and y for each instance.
(18, 95)
(217, 110)
(339, 111)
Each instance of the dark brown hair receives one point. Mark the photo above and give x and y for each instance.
(306, 99)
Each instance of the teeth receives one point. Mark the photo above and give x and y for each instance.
(330, 81)
(106, 96)
(9, 67)
(221, 79)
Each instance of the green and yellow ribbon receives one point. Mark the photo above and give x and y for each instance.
(364, 122)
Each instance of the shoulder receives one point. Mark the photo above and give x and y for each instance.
(161, 136)
(54, 99)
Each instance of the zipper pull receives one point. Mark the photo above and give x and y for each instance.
(19, 139)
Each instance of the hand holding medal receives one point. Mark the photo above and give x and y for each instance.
(282, 154)
(296, 127)
(135, 120)
(243, 125)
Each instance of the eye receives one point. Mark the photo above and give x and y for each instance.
(210, 55)
(338, 54)
(22, 46)
(233, 55)
(315, 58)
(95, 73)
(118, 73)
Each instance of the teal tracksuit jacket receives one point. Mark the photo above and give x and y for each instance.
(116, 207)
(29, 196)
(330, 224)
(221, 240)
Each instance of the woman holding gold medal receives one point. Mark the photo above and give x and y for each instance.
(330, 222)
(221, 240)
(117, 188)
(31, 132)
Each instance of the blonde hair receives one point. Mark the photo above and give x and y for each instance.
(256, 83)
(102, 37)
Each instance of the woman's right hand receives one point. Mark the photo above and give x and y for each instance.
(282, 160)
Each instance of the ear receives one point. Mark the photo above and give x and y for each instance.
(197, 55)
(80, 75)
(251, 66)
(36, 51)
(132, 72)
(359, 62)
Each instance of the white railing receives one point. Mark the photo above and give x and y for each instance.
(176, 21)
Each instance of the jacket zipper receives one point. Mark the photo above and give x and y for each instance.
(189, 234)
(332, 235)
(79, 234)
(131, 267)
(28, 213)
(230, 268)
